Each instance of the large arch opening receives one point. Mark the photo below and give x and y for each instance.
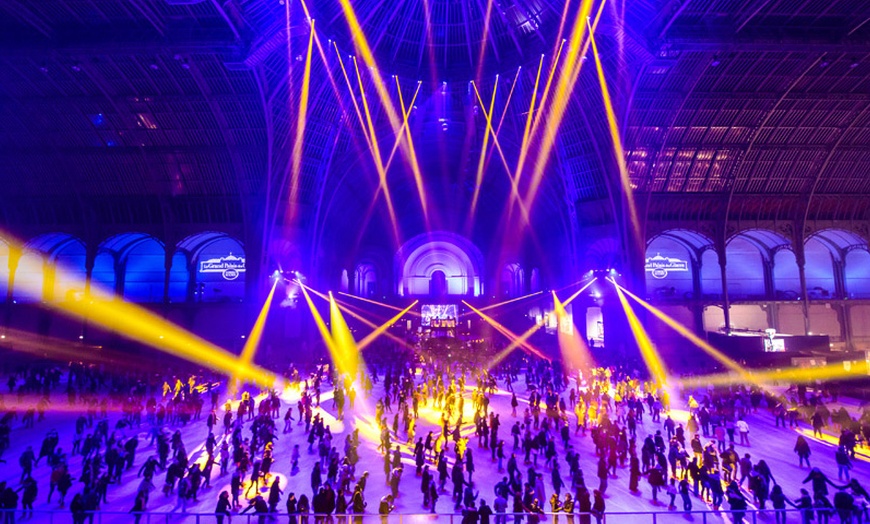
(512, 281)
(139, 262)
(749, 256)
(455, 256)
(830, 251)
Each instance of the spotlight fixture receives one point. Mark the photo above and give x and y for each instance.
(154, 66)
(854, 64)
(43, 67)
(715, 62)
(824, 63)
(77, 67)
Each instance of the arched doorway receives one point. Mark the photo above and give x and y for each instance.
(438, 284)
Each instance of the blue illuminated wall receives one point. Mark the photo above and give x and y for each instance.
(69, 282)
(786, 275)
(819, 269)
(744, 269)
(672, 283)
(103, 276)
(857, 273)
(220, 286)
(144, 271)
(711, 274)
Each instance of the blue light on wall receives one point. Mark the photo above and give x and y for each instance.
(144, 271)
(103, 275)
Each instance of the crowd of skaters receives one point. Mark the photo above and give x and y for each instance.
(696, 462)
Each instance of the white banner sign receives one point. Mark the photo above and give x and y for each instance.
(659, 266)
(230, 267)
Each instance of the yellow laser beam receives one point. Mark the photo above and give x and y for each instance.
(370, 301)
(332, 82)
(406, 112)
(380, 329)
(356, 108)
(507, 104)
(104, 309)
(547, 85)
(22, 341)
(616, 138)
(524, 143)
(579, 291)
(647, 350)
(371, 337)
(301, 119)
(510, 335)
(688, 334)
(345, 354)
(517, 299)
(515, 192)
(484, 39)
(811, 375)
(362, 46)
(570, 72)
(418, 177)
(376, 153)
(348, 307)
(478, 180)
(252, 342)
(514, 345)
(318, 320)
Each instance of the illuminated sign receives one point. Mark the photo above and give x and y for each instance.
(230, 267)
(659, 266)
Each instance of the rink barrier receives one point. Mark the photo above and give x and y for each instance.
(616, 517)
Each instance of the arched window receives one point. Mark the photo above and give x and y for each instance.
(857, 273)
(747, 258)
(103, 276)
(512, 280)
(830, 251)
(711, 274)
(786, 275)
(345, 281)
(365, 280)
(437, 284)
(535, 280)
(141, 260)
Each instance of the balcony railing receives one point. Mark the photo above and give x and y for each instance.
(639, 517)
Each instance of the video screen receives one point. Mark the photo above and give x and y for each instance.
(438, 315)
